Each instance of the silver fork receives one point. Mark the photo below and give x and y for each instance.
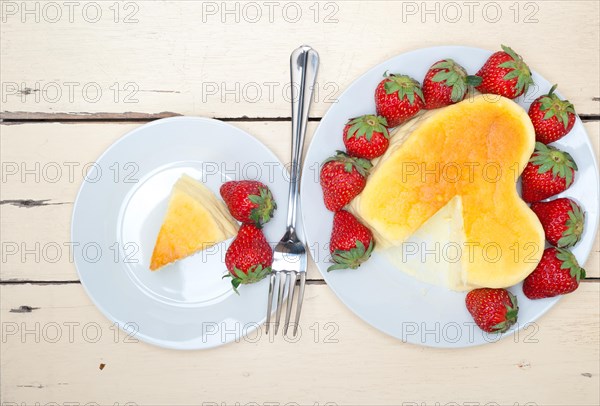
(289, 257)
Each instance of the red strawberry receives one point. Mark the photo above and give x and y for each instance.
(550, 171)
(342, 179)
(249, 257)
(248, 201)
(446, 83)
(351, 242)
(505, 73)
(557, 273)
(366, 136)
(562, 220)
(494, 310)
(552, 117)
(398, 98)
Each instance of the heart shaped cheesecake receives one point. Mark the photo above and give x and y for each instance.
(443, 203)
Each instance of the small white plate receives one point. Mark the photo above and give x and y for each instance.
(387, 298)
(117, 215)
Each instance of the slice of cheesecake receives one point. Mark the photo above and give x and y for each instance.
(449, 177)
(433, 253)
(195, 220)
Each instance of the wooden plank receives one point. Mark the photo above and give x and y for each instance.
(347, 363)
(231, 60)
(36, 245)
(49, 160)
(39, 219)
(36, 214)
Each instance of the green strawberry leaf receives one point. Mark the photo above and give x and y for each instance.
(360, 164)
(352, 258)
(442, 76)
(512, 312)
(265, 207)
(519, 70)
(574, 227)
(555, 107)
(405, 86)
(473, 80)
(445, 64)
(549, 158)
(570, 262)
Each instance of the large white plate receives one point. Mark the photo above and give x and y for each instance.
(118, 213)
(387, 298)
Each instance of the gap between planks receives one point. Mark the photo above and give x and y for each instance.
(76, 282)
(146, 118)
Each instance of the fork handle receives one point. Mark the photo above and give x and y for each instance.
(304, 63)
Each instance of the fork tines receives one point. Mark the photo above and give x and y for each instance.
(284, 282)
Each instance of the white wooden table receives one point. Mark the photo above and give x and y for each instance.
(76, 76)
